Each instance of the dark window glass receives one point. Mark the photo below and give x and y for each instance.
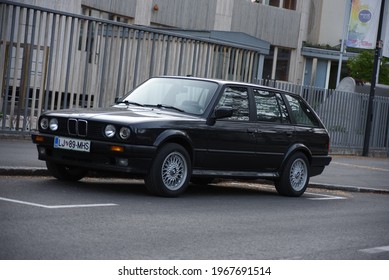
(270, 107)
(237, 98)
(290, 4)
(301, 113)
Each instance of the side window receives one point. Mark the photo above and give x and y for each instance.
(237, 98)
(301, 113)
(270, 107)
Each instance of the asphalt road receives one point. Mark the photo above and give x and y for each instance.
(42, 218)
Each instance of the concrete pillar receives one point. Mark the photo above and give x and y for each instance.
(296, 73)
(143, 12)
(223, 17)
(274, 66)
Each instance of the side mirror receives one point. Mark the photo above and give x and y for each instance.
(223, 112)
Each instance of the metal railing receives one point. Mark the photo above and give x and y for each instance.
(344, 114)
(53, 60)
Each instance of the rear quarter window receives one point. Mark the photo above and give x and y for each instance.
(301, 113)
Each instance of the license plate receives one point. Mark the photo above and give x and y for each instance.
(72, 144)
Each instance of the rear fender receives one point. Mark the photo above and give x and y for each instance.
(298, 147)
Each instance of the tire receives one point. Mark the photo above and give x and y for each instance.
(65, 173)
(294, 177)
(170, 171)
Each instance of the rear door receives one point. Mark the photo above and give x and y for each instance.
(274, 131)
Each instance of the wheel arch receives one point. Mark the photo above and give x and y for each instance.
(175, 136)
(298, 147)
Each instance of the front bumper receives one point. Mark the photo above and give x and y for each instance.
(131, 159)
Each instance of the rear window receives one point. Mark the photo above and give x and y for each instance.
(301, 113)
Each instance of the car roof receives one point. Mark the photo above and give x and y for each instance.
(228, 82)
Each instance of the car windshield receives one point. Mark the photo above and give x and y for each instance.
(184, 95)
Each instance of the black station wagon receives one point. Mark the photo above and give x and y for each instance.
(173, 130)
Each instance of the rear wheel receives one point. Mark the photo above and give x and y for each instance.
(65, 173)
(170, 172)
(294, 177)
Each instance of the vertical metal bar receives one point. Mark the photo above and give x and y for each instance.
(3, 25)
(137, 58)
(166, 66)
(50, 62)
(29, 70)
(182, 49)
(152, 55)
(206, 70)
(195, 55)
(7, 83)
(22, 86)
(88, 53)
(102, 85)
(121, 63)
(67, 75)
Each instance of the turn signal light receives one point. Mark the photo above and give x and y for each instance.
(117, 149)
(39, 139)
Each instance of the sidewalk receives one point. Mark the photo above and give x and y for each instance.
(351, 173)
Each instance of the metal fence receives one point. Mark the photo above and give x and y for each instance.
(344, 114)
(52, 60)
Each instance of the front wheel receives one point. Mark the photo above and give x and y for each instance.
(170, 172)
(294, 176)
(65, 173)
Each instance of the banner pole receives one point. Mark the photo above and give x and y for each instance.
(377, 53)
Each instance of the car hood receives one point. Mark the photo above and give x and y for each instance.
(122, 113)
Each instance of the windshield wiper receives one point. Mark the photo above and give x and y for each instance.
(169, 107)
(130, 103)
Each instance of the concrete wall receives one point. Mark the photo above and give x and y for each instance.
(331, 22)
(278, 26)
(199, 14)
(70, 6)
(119, 7)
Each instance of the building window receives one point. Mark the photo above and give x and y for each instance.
(274, 3)
(290, 4)
(282, 69)
(268, 64)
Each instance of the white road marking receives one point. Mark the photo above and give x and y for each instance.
(376, 250)
(324, 197)
(57, 206)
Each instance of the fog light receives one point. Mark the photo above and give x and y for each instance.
(122, 161)
(42, 151)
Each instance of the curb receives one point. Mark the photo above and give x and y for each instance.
(23, 171)
(41, 171)
(347, 188)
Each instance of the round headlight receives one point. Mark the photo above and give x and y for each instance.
(124, 133)
(110, 131)
(53, 124)
(44, 123)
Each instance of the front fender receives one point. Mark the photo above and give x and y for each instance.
(166, 135)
